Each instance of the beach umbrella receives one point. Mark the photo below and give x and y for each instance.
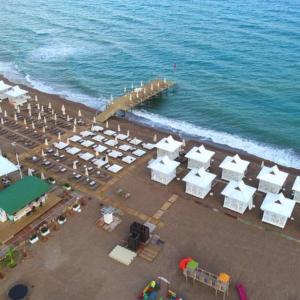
(144, 91)
(44, 129)
(128, 133)
(130, 97)
(74, 165)
(79, 113)
(106, 124)
(137, 94)
(94, 119)
(57, 152)
(43, 176)
(155, 138)
(74, 128)
(2, 121)
(15, 117)
(18, 109)
(59, 136)
(38, 106)
(52, 112)
(119, 127)
(75, 122)
(42, 108)
(5, 114)
(29, 172)
(158, 84)
(106, 158)
(45, 120)
(33, 126)
(28, 106)
(55, 117)
(63, 109)
(96, 153)
(46, 142)
(86, 172)
(50, 105)
(183, 142)
(68, 118)
(39, 116)
(25, 122)
(29, 112)
(68, 141)
(35, 98)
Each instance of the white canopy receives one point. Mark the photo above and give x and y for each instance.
(15, 92)
(163, 165)
(100, 148)
(75, 138)
(122, 136)
(111, 143)
(97, 128)
(3, 86)
(272, 175)
(86, 156)
(278, 204)
(200, 154)
(135, 141)
(296, 185)
(115, 168)
(60, 145)
(128, 159)
(125, 147)
(235, 164)
(115, 154)
(6, 166)
(109, 132)
(100, 162)
(199, 177)
(86, 133)
(168, 144)
(239, 191)
(139, 152)
(98, 138)
(87, 143)
(73, 150)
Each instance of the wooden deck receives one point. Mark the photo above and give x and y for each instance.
(135, 97)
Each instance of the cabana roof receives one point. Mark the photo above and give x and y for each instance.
(15, 92)
(6, 166)
(199, 177)
(200, 154)
(272, 175)
(278, 204)
(168, 144)
(86, 133)
(239, 191)
(164, 165)
(296, 185)
(4, 86)
(235, 164)
(75, 138)
(60, 145)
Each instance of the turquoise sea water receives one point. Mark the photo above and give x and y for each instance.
(238, 62)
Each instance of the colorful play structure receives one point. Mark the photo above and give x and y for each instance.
(191, 269)
(158, 290)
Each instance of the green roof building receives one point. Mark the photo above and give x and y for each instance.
(20, 198)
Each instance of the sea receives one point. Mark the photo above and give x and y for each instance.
(236, 63)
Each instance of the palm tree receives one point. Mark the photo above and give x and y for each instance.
(10, 257)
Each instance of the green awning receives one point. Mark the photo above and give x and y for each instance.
(21, 193)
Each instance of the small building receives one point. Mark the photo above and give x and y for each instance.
(199, 182)
(296, 189)
(6, 166)
(3, 89)
(163, 169)
(277, 209)
(238, 196)
(17, 96)
(168, 147)
(233, 168)
(199, 157)
(271, 180)
(20, 198)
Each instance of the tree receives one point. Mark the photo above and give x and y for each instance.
(10, 257)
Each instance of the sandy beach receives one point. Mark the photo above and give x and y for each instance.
(73, 263)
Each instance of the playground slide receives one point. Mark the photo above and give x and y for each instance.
(241, 291)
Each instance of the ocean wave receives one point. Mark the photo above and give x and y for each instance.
(285, 157)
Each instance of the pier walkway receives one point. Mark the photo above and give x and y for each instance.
(134, 98)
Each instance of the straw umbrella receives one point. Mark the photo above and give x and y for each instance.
(158, 84)
(79, 113)
(63, 109)
(36, 98)
(50, 105)
(130, 97)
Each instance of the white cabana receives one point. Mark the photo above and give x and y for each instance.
(3, 89)
(115, 154)
(86, 133)
(87, 143)
(271, 180)
(238, 196)
(198, 182)
(75, 138)
(86, 156)
(296, 189)
(277, 209)
(233, 168)
(100, 162)
(148, 146)
(60, 145)
(115, 168)
(199, 157)
(125, 147)
(163, 169)
(168, 146)
(6, 166)
(111, 143)
(109, 132)
(100, 148)
(121, 136)
(135, 141)
(139, 152)
(97, 128)
(17, 96)
(73, 150)
(128, 159)
(98, 138)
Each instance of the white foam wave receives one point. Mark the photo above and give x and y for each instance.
(285, 157)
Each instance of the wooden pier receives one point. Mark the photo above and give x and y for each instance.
(134, 98)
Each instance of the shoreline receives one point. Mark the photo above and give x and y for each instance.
(135, 125)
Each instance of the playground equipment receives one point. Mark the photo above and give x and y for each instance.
(158, 290)
(190, 269)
